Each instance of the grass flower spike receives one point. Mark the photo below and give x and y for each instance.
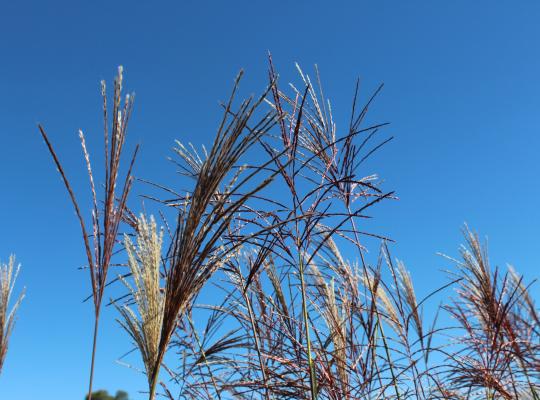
(144, 264)
(8, 276)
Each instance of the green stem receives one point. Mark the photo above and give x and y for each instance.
(214, 383)
(312, 376)
(257, 341)
(94, 347)
(153, 384)
(387, 351)
(374, 299)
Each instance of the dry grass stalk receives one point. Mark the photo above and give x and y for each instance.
(318, 167)
(199, 244)
(100, 243)
(8, 276)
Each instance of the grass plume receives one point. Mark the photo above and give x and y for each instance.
(144, 260)
(100, 241)
(8, 277)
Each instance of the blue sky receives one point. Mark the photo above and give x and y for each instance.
(462, 93)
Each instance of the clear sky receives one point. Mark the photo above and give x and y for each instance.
(462, 93)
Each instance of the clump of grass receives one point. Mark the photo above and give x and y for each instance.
(275, 300)
(301, 321)
(298, 319)
(8, 276)
(499, 354)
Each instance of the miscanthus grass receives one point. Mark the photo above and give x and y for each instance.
(100, 238)
(203, 237)
(305, 314)
(8, 277)
(275, 225)
(144, 325)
